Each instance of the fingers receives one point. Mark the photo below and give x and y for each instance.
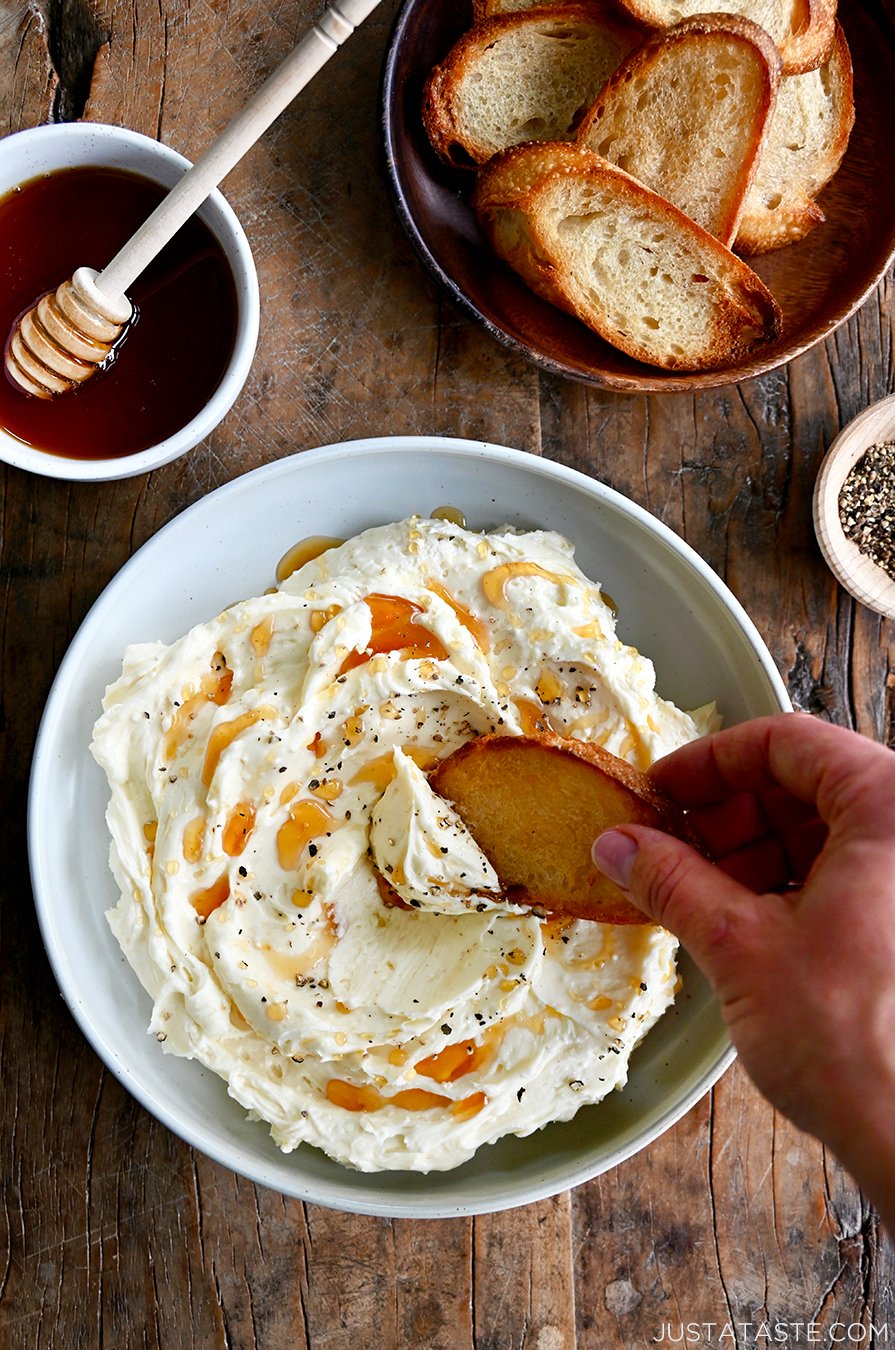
(745, 817)
(811, 760)
(715, 917)
(742, 758)
(765, 842)
(731, 824)
(762, 866)
(786, 813)
(803, 847)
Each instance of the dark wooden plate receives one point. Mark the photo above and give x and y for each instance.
(818, 282)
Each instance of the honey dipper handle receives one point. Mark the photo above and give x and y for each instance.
(298, 69)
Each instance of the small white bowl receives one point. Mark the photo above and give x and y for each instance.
(854, 570)
(69, 145)
(671, 606)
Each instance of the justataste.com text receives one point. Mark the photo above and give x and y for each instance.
(772, 1333)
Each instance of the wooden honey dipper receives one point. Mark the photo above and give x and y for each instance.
(68, 334)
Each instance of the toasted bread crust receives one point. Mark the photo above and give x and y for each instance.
(588, 40)
(651, 116)
(535, 806)
(804, 43)
(808, 46)
(502, 189)
(714, 312)
(487, 9)
(780, 207)
(512, 174)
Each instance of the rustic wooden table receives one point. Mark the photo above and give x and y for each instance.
(116, 1234)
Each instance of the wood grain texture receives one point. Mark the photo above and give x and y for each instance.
(113, 1233)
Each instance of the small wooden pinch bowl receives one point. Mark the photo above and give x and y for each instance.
(856, 571)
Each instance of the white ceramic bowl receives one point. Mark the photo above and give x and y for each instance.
(671, 606)
(69, 145)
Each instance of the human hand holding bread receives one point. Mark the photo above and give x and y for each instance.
(792, 923)
(620, 196)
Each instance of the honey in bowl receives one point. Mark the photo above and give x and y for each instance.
(174, 352)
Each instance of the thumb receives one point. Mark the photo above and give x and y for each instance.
(714, 916)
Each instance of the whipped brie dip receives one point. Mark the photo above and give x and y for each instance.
(311, 921)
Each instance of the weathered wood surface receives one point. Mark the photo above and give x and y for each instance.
(113, 1233)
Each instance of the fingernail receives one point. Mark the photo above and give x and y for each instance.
(615, 854)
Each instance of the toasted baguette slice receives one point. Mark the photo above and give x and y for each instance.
(808, 137)
(534, 807)
(688, 113)
(593, 240)
(501, 191)
(522, 77)
(802, 29)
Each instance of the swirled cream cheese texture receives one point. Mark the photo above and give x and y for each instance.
(311, 921)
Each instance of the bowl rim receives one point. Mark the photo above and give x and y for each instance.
(648, 380)
(230, 234)
(340, 1194)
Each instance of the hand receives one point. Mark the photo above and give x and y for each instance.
(794, 923)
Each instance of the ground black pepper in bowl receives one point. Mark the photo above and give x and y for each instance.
(867, 505)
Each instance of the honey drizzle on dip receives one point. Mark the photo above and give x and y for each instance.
(533, 718)
(209, 898)
(261, 636)
(304, 551)
(396, 626)
(494, 583)
(452, 514)
(239, 826)
(455, 1061)
(357, 1097)
(381, 770)
(305, 821)
(214, 688)
(225, 734)
(477, 628)
(292, 966)
(194, 839)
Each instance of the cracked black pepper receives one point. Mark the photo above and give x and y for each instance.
(867, 506)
